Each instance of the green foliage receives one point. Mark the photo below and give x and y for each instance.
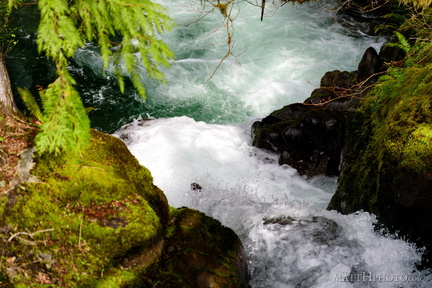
(418, 4)
(128, 37)
(7, 36)
(421, 24)
(65, 126)
(121, 30)
(409, 121)
(30, 103)
(402, 44)
(396, 16)
(399, 106)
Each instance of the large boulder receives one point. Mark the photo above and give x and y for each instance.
(87, 219)
(307, 137)
(200, 253)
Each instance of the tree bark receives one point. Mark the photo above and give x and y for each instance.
(7, 102)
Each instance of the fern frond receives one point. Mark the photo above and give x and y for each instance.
(402, 43)
(30, 103)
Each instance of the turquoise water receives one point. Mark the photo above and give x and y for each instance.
(274, 63)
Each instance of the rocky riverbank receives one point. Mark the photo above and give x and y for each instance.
(376, 134)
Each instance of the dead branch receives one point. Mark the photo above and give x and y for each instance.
(30, 234)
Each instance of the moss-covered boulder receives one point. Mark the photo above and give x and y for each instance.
(89, 219)
(389, 149)
(199, 253)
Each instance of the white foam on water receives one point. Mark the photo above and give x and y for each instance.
(242, 187)
(180, 151)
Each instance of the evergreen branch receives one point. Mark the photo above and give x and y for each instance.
(65, 126)
(64, 27)
(30, 103)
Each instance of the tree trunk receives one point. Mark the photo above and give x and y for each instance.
(7, 103)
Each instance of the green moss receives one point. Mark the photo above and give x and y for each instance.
(119, 278)
(402, 118)
(3, 203)
(391, 135)
(96, 220)
(86, 212)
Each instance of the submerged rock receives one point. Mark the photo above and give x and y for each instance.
(318, 229)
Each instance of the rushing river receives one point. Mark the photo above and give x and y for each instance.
(200, 133)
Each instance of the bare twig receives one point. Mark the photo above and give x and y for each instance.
(31, 235)
(79, 237)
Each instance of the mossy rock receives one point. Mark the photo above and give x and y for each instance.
(91, 220)
(389, 155)
(199, 252)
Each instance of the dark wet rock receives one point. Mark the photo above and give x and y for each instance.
(341, 90)
(310, 137)
(200, 252)
(317, 228)
(196, 186)
(337, 78)
(336, 91)
(306, 137)
(391, 53)
(370, 64)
